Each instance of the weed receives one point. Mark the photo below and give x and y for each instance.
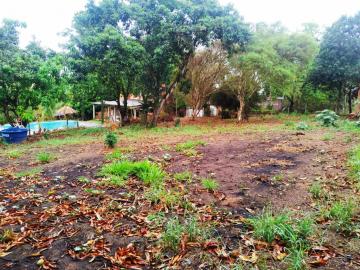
(209, 184)
(116, 155)
(156, 194)
(110, 139)
(185, 176)
(194, 231)
(45, 157)
(172, 235)
(327, 118)
(305, 227)
(14, 154)
(114, 181)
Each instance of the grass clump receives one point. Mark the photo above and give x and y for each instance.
(156, 194)
(316, 190)
(110, 140)
(31, 172)
(114, 181)
(84, 180)
(45, 157)
(209, 184)
(341, 213)
(185, 176)
(189, 148)
(14, 154)
(149, 173)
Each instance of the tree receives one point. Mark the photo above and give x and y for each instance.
(206, 69)
(244, 79)
(99, 46)
(170, 32)
(337, 66)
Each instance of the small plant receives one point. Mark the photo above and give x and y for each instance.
(194, 230)
(171, 237)
(278, 178)
(185, 176)
(181, 147)
(45, 157)
(327, 118)
(156, 194)
(297, 259)
(156, 219)
(116, 155)
(302, 126)
(209, 184)
(114, 181)
(305, 227)
(110, 139)
(31, 172)
(14, 154)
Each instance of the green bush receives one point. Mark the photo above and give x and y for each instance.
(110, 139)
(327, 118)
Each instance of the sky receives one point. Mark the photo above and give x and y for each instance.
(45, 19)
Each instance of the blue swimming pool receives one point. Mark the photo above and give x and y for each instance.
(48, 125)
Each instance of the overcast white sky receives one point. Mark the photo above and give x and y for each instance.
(46, 18)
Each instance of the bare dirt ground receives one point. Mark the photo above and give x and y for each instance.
(57, 222)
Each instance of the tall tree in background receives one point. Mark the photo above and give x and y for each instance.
(206, 70)
(338, 63)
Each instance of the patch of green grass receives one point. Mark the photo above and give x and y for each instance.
(30, 172)
(156, 219)
(44, 157)
(156, 194)
(117, 154)
(341, 213)
(94, 192)
(327, 137)
(185, 176)
(209, 184)
(189, 145)
(354, 164)
(14, 154)
(296, 259)
(278, 178)
(114, 181)
(194, 231)
(84, 180)
(149, 173)
(316, 190)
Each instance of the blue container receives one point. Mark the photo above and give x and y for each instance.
(14, 134)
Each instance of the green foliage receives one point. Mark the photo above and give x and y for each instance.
(44, 157)
(354, 164)
(171, 237)
(209, 184)
(316, 190)
(188, 145)
(84, 180)
(297, 259)
(110, 139)
(114, 181)
(327, 118)
(185, 176)
(149, 173)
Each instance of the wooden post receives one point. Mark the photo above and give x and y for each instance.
(93, 111)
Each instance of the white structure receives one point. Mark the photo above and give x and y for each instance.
(213, 112)
(111, 111)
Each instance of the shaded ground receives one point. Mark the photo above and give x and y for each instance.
(58, 222)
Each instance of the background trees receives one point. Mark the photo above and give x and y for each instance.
(337, 66)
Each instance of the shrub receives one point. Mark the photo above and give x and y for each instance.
(44, 157)
(209, 184)
(110, 139)
(327, 118)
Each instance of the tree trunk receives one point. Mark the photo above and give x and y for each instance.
(172, 87)
(119, 108)
(291, 105)
(241, 111)
(349, 102)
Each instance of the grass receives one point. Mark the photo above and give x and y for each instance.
(94, 192)
(84, 180)
(185, 176)
(30, 172)
(278, 178)
(296, 259)
(114, 181)
(327, 137)
(354, 164)
(156, 194)
(149, 173)
(174, 230)
(209, 184)
(316, 190)
(189, 148)
(14, 154)
(45, 157)
(341, 213)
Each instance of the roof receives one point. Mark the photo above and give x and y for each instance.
(131, 103)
